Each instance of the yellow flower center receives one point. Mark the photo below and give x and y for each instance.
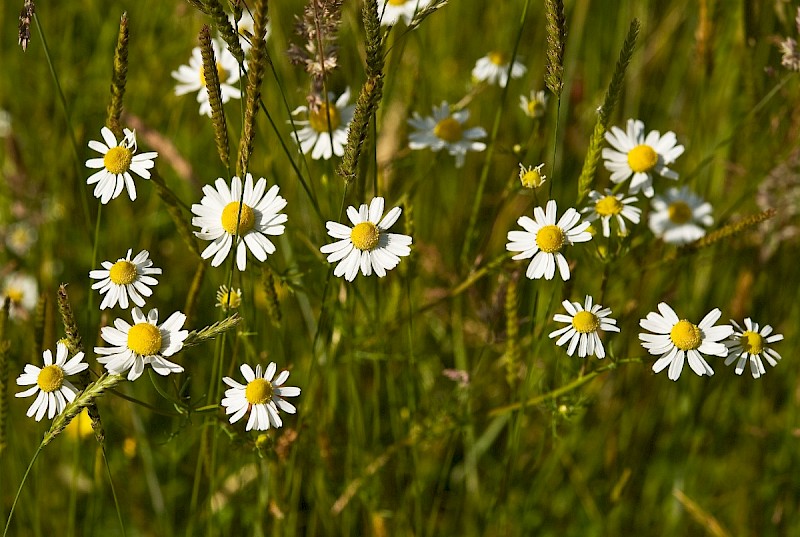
(448, 129)
(679, 212)
(222, 74)
(752, 342)
(535, 108)
(642, 158)
(230, 214)
(531, 177)
(318, 119)
(685, 335)
(258, 391)
(122, 272)
(118, 160)
(50, 378)
(229, 299)
(365, 236)
(608, 206)
(498, 58)
(14, 295)
(550, 239)
(398, 2)
(585, 322)
(144, 339)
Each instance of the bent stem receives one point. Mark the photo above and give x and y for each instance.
(19, 490)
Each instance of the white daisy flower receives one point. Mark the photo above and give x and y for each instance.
(191, 78)
(219, 212)
(493, 69)
(144, 342)
(22, 292)
(367, 245)
(324, 132)
(392, 11)
(676, 339)
(751, 344)
(20, 237)
(446, 131)
(640, 156)
(262, 396)
(583, 322)
(608, 205)
(535, 106)
(246, 27)
(544, 238)
(680, 216)
(126, 277)
(532, 176)
(228, 298)
(118, 161)
(54, 390)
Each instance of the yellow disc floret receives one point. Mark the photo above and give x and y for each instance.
(642, 158)
(550, 239)
(118, 160)
(531, 177)
(222, 74)
(685, 335)
(679, 212)
(50, 378)
(231, 213)
(498, 58)
(398, 2)
(752, 342)
(449, 130)
(144, 339)
(122, 272)
(318, 119)
(365, 236)
(608, 206)
(258, 391)
(585, 322)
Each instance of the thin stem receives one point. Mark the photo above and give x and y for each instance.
(113, 491)
(73, 142)
(19, 490)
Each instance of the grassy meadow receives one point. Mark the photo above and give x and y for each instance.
(433, 402)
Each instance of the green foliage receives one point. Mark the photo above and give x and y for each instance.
(433, 401)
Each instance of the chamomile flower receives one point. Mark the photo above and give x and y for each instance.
(119, 160)
(20, 237)
(228, 298)
(54, 390)
(261, 396)
(324, 131)
(532, 176)
(680, 216)
(258, 216)
(640, 156)
(446, 131)
(607, 206)
(583, 323)
(392, 11)
(677, 340)
(127, 277)
(22, 292)
(751, 344)
(544, 238)
(493, 69)
(144, 342)
(535, 106)
(191, 78)
(367, 245)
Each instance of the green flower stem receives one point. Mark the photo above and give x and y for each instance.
(574, 385)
